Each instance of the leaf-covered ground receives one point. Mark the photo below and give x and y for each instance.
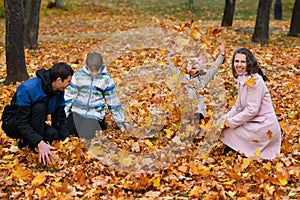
(68, 36)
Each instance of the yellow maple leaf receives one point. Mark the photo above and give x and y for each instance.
(229, 182)
(246, 162)
(156, 182)
(22, 174)
(250, 82)
(147, 142)
(270, 188)
(195, 34)
(283, 178)
(41, 192)
(257, 153)
(40, 178)
(267, 166)
(169, 132)
(205, 126)
(231, 194)
(8, 157)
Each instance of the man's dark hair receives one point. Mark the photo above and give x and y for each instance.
(60, 70)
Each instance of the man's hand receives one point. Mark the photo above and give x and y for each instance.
(45, 152)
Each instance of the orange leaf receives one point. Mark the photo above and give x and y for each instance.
(80, 176)
(250, 82)
(183, 168)
(63, 188)
(233, 174)
(194, 168)
(195, 192)
(216, 31)
(270, 134)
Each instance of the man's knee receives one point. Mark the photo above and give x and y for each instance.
(10, 128)
(51, 134)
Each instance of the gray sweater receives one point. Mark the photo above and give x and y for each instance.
(198, 82)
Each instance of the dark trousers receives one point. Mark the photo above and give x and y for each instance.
(37, 121)
(84, 127)
(197, 118)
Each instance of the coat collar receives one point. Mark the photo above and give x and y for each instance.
(241, 79)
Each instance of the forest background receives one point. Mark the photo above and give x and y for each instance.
(68, 34)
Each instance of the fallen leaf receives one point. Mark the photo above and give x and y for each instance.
(270, 134)
(40, 178)
(250, 82)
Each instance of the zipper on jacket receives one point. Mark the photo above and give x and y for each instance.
(90, 94)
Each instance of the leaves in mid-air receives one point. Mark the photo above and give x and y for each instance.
(76, 174)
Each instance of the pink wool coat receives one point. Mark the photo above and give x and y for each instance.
(253, 122)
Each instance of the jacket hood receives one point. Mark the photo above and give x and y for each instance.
(87, 71)
(44, 75)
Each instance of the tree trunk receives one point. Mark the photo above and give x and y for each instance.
(59, 4)
(278, 10)
(295, 22)
(14, 44)
(228, 13)
(261, 31)
(32, 13)
(191, 5)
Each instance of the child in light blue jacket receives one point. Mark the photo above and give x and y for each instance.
(91, 92)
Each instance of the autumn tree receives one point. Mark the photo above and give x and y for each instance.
(278, 10)
(295, 22)
(14, 42)
(56, 4)
(31, 21)
(261, 30)
(191, 5)
(228, 13)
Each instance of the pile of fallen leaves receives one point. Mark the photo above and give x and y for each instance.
(76, 174)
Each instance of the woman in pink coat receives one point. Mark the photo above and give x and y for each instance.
(251, 126)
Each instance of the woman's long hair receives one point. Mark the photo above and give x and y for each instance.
(252, 65)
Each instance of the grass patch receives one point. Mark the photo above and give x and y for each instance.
(200, 10)
(180, 9)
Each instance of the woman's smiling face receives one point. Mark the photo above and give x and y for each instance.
(240, 64)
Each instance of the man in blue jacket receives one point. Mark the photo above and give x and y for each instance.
(24, 118)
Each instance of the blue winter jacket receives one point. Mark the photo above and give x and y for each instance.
(28, 94)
